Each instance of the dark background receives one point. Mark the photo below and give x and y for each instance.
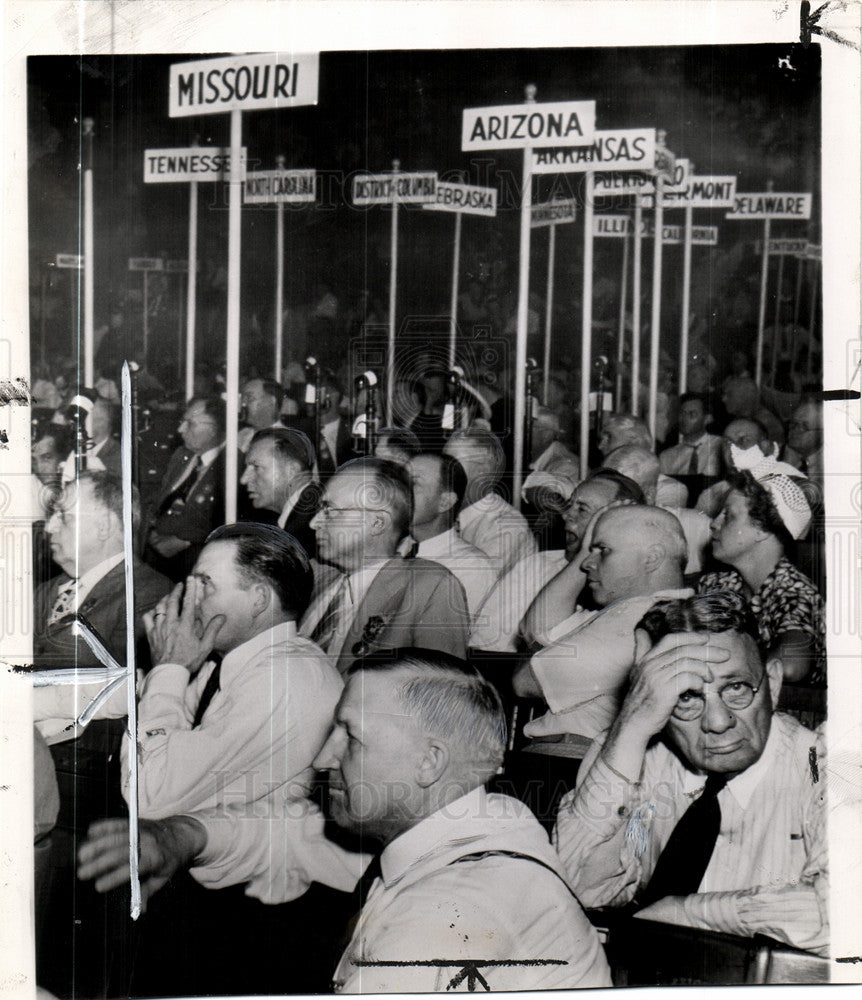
(731, 110)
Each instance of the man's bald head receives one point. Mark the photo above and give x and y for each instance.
(635, 550)
(638, 464)
(623, 429)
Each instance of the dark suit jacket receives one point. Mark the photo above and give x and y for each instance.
(104, 608)
(343, 444)
(111, 456)
(202, 512)
(411, 602)
(87, 768)
(299, 519)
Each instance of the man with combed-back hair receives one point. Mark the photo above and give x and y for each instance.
(378, 599)
(634, 555)
(467, 888)
(486, 520)
(701, 806)
(216, 732)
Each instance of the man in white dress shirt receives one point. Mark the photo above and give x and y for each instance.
(467, 889)
(439, 485)
(487, 520)
(701, 805)
(698, 452)
(227, 734)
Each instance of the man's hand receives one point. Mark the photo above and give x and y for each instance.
(677, 663)
(167, 546)
(165, 847)
(176, 637)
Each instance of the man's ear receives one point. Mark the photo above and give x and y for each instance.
(263, 598)
(447, 501)
(380, 523)
(654, 557)
(433, 765)
(775, 676)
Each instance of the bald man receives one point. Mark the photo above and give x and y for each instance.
(634, 556)
(623, 429)
(642, 466)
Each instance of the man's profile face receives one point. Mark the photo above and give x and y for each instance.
(340, 526)
(371, 757)
(725, 740)
(427, 488)
(222, 591)
(259, 406)
(76, 528)
(613, 437)
(199, 429)
(588, 498)
(266, 476)
(615, 564)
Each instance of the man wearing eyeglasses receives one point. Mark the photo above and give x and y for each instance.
(377, 599)
(701, 806)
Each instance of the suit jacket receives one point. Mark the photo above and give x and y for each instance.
(343, 444)
(88, 767)
(104, 608)
(411, 602)
(204, 508)
(298, 521)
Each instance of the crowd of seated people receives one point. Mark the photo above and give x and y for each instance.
(387, 618)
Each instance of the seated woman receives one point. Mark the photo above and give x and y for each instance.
(757, 525)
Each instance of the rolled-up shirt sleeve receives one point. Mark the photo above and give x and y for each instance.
(278, 855)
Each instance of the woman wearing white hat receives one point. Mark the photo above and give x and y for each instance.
(760, 520)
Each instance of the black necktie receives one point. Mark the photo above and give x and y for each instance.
(180, 493)
(692, 462)
(359, 895)
(683, 862)
(210, 688)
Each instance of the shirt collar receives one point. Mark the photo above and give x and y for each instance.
(694, 444)
(410, 848)
(277, 634)
(208, 457)
(89, 579)
(439, 545)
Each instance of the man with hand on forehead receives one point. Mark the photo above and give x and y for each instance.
(215, 724)
(701, 806)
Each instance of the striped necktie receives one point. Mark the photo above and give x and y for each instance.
(324, 631)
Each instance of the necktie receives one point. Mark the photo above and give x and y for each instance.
(359, 895)
(324, 454)
(180, 493)
(692, 462)
(210, 688)
(683, 862)
(325, 628)
(65, 601)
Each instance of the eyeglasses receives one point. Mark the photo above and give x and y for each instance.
(325, 509)
(736, 696)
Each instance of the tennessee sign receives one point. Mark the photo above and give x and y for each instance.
(515, 126)
(242, 83)
(769, 205)
(384, 189)
(464, 198)
(263, 187)
(196, 163)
